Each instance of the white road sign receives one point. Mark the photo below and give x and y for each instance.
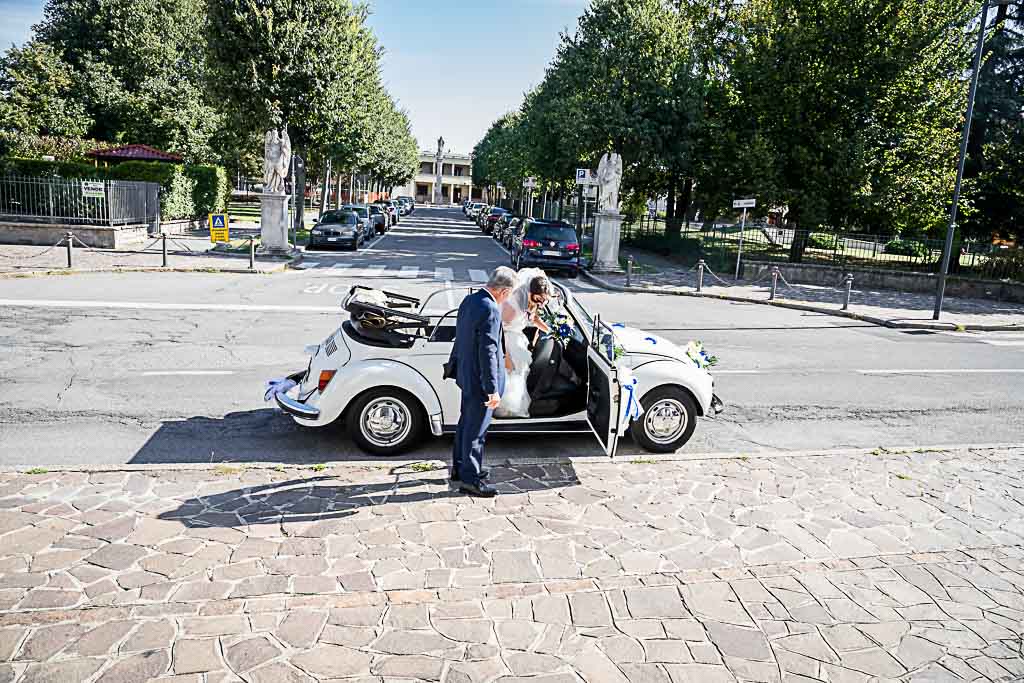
(744, 203)
(530, 183)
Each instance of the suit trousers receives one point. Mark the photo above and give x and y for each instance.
(470, 436)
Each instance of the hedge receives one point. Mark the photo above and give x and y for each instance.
(29, 146)
(907, 248)
(185, 191)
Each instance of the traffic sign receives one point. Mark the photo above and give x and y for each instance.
(219, 227)
(530, 182)
(744, 203)
(585, 177)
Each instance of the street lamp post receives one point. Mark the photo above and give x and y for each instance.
(940, 288)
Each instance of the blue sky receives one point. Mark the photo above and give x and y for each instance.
(455, 65)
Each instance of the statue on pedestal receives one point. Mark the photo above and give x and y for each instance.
(609, 177)
(277, 155)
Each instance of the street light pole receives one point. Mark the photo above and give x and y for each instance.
(940, 288)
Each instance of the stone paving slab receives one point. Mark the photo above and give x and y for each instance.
(881, 306)
(886, 566)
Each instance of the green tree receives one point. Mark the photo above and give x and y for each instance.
(36, 93)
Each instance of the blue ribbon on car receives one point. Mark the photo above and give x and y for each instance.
(651, 339)
(633, 410)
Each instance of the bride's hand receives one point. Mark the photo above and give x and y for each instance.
(508, 362)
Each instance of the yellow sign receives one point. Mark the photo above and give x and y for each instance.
(219, 227)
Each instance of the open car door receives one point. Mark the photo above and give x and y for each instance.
(604, 391)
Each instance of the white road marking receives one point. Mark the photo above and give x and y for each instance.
(168, 373)
(309, 265)
(946, 371)
(374, 243)
(448, 295)
(410, 272)
(341, 266)
(478, 275)
(1003, 342)
(444, 274)
(370, 271)
(739, 372)
(155, 306)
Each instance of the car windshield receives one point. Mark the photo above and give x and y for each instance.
(338, 218)
(497, 212)
(443, 301)
(358, 210)
(575, 309)
(376, 210)
(555, 233)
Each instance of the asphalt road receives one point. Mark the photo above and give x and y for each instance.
(170, 367)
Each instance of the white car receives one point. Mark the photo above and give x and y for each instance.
(382, 372)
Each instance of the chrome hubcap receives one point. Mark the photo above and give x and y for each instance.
(665, 421)
(385, 421)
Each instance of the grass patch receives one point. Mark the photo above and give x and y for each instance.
(37, 470)
(642, 461)
(279, 468)
(225, 470)
(901, 476)
(424, 467)
(319, 467)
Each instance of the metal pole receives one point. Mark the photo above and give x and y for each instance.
(743, 226)
(940, 287)
(700, 275)
(629, 270)
(775, 282)
(252, 252)
(163, 249)
(70, 238)
(849, 286)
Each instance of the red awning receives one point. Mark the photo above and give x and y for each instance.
(132, 153)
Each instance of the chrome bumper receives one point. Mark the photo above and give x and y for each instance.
(296, 408)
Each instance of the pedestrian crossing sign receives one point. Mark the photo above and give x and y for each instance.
(219, 227)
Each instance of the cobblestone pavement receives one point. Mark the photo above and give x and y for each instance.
(29, 259)
(879, 567)
(889, 305)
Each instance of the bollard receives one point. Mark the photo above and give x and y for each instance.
(775, 282)
(629, 270)
(700, 275)
(252, 252)
(849, 286)
(70, 237)
(163, 249)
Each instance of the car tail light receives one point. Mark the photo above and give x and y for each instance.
(572, 247)
(325, 378)
(531, 244)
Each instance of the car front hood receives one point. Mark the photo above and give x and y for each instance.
(637, 342)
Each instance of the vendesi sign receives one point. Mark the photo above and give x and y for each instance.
(219, 227)
(744, 203)
(93, 189)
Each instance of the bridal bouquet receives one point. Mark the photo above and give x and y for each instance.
(701, 358)
(561, 329)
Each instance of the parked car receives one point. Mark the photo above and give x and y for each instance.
(512, 232)
(465, 206)
(362, 211)
(481, 216)
(474, 210)
(380, 219)
(339, 228)
(489, 220)
(407, 205)
(381, 372)
(501, 225)
(550, 245)
(396, 209)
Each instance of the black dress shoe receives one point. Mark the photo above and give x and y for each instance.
(480, 490)
(456, 478)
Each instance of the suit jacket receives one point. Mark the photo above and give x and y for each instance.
(478, 355)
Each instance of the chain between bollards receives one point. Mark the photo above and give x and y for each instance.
(629, 270)
(163, 248)
(775, 282)
(700, 275)
(849, 287)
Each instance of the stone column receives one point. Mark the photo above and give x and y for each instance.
(607, 232)
(274, 224)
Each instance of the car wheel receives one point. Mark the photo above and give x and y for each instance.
(386, 421)
(573, 274)
(670, 416)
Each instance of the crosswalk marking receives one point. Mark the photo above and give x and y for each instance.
(1003, 342)
(410, 272)
(370, 271)
(478, 275)
(341, 266)
(443, 274)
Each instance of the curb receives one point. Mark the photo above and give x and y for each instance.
(232, 467)
(874, 320)
(277, 268)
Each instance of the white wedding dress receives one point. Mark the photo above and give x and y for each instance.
(515, 402)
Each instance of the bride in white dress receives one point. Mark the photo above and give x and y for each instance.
(521, 310)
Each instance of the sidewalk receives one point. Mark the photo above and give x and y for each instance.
(883, 307)
(879, 567)
(183, 253)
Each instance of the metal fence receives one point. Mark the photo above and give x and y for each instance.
(63, 201)
(849, 250)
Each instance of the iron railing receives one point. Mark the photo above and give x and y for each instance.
(720, 243)
(65, 201)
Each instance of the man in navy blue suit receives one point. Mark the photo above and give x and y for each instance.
(478, 360)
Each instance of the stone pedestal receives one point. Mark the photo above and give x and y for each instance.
(607, 231)
(274, 224)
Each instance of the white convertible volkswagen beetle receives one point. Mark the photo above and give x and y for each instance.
(381, 372)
